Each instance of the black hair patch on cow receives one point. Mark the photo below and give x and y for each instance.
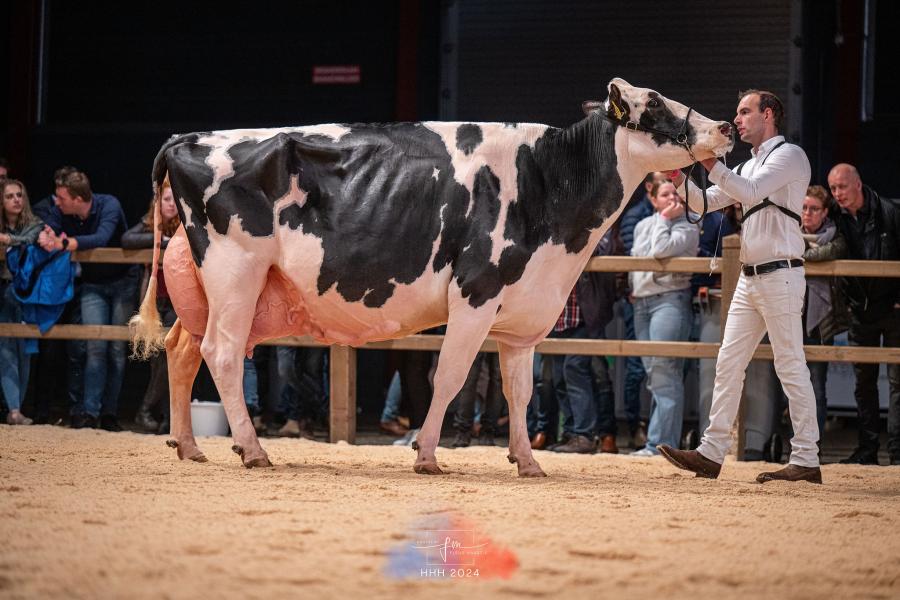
(191, 176)
(468, 137)
(478, 278)
(375, 200)
(567, 186)
(262, 170)
(663, 119)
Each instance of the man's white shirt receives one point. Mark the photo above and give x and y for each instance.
(783, 178)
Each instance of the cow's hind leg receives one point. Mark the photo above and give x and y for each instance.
(466, 330)
(183, 359)
(232, 291)
(516, 369)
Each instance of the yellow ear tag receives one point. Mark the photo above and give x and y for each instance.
(619, 111)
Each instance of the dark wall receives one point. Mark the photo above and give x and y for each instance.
(122, 78)
(833, 78)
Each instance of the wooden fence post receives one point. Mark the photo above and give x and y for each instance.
(731, 271)
(342, 416)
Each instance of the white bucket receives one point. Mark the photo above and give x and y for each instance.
(208, 418)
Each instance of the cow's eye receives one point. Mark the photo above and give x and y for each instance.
(653, 103)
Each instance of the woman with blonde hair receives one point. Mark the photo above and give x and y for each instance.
(141, 236)
(18, 227)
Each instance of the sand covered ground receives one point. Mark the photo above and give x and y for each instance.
(91, 514)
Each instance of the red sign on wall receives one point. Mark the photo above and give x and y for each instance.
(336, 75)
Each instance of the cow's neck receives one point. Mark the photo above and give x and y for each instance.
(580, 180)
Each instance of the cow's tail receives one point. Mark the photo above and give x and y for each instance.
(147, 337)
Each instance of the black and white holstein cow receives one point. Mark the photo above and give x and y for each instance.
(355, 233)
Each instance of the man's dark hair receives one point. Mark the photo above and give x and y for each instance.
(4, 163)
(59, 175)
(768, 100)
(78, 184)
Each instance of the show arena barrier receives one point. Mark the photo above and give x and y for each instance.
(343, 358)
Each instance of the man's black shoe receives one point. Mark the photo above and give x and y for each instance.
(83, 422)
(110, 423)
(861, 456)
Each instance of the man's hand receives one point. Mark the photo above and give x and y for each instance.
(708, 164)
(49, 241)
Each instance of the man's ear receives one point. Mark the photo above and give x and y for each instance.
(590, 106)
(616, 108)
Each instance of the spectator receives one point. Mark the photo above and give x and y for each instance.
(634, 367)
(4, 168)
(303, 394)
(871, 228)
(662, 310)
(81, 221)
(141, 236)
(463, 419)
(51, 351)
(586, 410)
(825, 313)
(18, 227)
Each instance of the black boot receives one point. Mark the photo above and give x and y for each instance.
(144, 418)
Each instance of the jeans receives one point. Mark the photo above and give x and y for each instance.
(574, 386)
(301, 371)
(392, 400)
(664, 317)
(15, 364)
(818, 373)
(634, 372)
(882, 332)
(606, 403)
(110, 303)
(493, 401)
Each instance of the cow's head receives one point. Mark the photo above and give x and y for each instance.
(658, 129)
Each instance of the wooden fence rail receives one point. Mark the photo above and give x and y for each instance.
(343, 358)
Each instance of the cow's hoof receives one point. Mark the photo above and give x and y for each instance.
(533, 470)
(257, 461)
(512, 459)
(427, 468)
(186, 453)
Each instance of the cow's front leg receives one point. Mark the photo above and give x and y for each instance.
(183, 361)
(516, 369)
(467, 328)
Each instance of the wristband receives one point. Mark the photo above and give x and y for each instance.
(65, 243)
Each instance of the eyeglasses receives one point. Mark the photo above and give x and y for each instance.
(812, 209)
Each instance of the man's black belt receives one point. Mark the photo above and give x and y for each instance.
(768, 267)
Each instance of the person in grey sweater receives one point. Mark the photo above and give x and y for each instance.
(662, 309)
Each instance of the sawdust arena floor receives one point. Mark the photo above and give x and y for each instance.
(91, 514)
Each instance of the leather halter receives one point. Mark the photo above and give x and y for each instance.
(679, 139)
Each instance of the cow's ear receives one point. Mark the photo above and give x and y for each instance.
(590, 106)
(616, 109)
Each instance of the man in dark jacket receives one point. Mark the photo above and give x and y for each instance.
(871, 228)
